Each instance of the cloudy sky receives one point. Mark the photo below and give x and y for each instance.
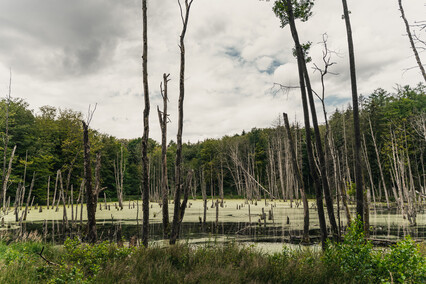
(70, 54)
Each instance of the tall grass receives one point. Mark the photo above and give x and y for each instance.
(353, 261)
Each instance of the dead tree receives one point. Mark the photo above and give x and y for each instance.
(48, 193)
(163, 117)
(410, 37)
(90, 191)
(178, 166)
(62, 197)
(299, 180)
(379, 164)
(24, 214)
(145, 161)
(6, 142)
(204, 194)
(6, 177)
(357, 134)
(119, 170)
(284, 10)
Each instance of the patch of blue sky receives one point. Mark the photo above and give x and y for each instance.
(334, 100)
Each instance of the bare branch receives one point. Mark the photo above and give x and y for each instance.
(90, 113)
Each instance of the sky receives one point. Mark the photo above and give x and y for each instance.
(72, 54)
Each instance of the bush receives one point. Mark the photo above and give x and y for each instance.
(82, 262)
(403, 264)
(357, 259)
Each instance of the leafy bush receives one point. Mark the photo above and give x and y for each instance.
(83, 261)
(357, 259)
(403, 264)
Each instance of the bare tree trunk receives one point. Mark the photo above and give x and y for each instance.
(28, 198)
(321, 156)
(357, 149)
(300, 181)
(62, 196)
(145, 161)
(178, 166)
(17, 202)
(163, 118)
(91, 198)
(56, 188)
(48, 193)
(119, 170)
(410, 37)
(313, 171)
(6, 142)
(6, 177)
(379, 164)
(204, 193)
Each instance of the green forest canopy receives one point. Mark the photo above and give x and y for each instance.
(51, 139)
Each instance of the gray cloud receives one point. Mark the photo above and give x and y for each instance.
(75, 53)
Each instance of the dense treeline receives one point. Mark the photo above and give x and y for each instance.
(253, 165)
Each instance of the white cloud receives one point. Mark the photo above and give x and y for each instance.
(72, 54)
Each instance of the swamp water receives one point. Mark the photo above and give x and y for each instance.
(269, 225)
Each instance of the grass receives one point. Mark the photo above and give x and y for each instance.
(353, 261)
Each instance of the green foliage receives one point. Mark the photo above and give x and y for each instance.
(353, 261)
(90, 258)
(353, 256)
(357, 259)
(301, 10)
(305, 49)
(403, 264)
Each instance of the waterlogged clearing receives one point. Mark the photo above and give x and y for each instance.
(237, 220)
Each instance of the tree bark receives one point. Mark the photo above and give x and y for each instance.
(313, 170)
(6, 177)
(300, 181)
(145, 161)
(6, 143)
(91, 200)
(163, 118)
(357, 138)
(178, 165)
(410, 37)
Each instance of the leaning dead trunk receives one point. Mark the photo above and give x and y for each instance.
(410, 37)
(313, 170)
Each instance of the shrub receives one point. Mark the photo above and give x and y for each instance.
(357, 259)
(403, 263)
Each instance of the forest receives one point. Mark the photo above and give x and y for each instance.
(335, 201)
(392, 129)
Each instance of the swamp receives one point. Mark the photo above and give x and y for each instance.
(275, 153)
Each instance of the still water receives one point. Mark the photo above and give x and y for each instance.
(269, 224)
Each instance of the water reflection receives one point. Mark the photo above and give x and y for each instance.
(267, 222)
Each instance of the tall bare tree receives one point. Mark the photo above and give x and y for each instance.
(145, 161)
(410, 37)
(119, 170)
(6, 143)
(357, 134)
(90, 191)
(299, 180)
(163, 118)
(285, 12)
(178, 208)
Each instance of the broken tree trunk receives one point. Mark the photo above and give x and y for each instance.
(163, 118)
(299, 180)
